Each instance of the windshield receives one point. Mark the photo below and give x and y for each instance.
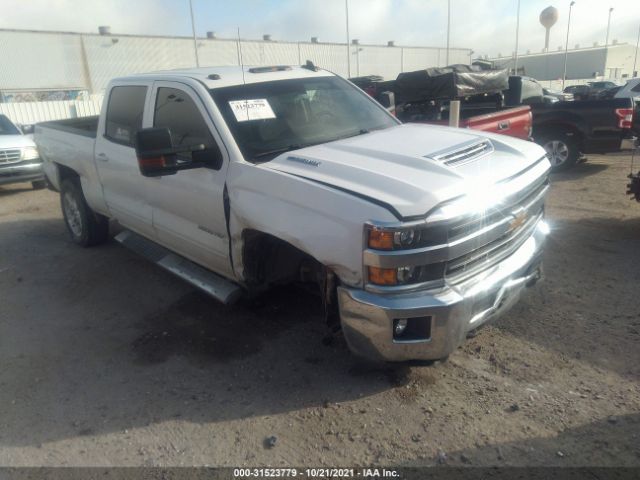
(269, 118)
(6, 127)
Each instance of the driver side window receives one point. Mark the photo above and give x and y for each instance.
(175, 110)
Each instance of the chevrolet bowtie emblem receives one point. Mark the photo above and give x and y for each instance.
(519, 219)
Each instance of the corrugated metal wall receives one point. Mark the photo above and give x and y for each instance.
(40, 60)
(27, 113)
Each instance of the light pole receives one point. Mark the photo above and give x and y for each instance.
(346, 9)
(635, 59)
(606, 42)
(515, 67)
(448, 29)
(566, 46)
(193, 30)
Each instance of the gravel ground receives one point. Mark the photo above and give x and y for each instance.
(105, 359)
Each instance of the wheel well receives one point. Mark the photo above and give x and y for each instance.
(554, 130)
(65, 173)
(270, 260)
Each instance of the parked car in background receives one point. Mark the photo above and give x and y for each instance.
(561, 96)
(630, 89)
(566, 129)
(597, 87)
(19, 159)
(579, 92)
(240, 179)
(608, 93)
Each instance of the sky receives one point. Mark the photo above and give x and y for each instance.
(486, 26)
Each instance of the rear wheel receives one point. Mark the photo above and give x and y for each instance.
(562, 151)
(85, 227)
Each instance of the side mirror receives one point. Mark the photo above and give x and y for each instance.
(158, 157)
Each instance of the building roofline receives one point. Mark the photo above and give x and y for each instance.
(561, 52)
(181, 37)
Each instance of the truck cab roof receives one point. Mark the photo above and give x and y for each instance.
(218, 77)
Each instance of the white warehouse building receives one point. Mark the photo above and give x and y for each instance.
(68, 66)
(615, 62)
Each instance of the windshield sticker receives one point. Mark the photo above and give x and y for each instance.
(256, 109)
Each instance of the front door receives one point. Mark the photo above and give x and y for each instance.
(188, 207)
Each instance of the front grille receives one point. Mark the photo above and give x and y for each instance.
(10, 156)
(465, 154)
(516, 230)
(468, 226)
(465, 266)
(464, 245)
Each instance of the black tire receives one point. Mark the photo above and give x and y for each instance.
(562, 150)
(85, 227)
(38, 184)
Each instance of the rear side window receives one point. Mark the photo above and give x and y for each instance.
(124, 113)
(636, 88)
(176, 111)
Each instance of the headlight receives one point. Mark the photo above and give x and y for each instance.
(381, 239)
(29, 153)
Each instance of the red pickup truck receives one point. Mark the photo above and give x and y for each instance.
(515, 122)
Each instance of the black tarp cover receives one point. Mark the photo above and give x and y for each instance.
(450, 82)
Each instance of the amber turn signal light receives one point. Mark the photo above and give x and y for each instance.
(380, 239)
(383, 276)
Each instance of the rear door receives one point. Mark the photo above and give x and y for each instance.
(125, 189)
(188, 207)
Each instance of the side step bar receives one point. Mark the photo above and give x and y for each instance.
(218, 287)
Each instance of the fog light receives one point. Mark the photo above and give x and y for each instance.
(400, 326)
(414, 329)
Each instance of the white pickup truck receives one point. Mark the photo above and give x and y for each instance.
(239, 178)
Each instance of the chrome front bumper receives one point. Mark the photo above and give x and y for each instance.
(25, 171)
(367, 318)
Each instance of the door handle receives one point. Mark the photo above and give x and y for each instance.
(503, 125)
(102, 157)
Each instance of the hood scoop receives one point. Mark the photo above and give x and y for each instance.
(464, 154)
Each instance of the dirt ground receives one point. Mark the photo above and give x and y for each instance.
(107, 360)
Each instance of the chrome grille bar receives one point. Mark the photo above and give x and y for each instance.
(10, 155)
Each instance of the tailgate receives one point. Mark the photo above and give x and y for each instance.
(515, 122)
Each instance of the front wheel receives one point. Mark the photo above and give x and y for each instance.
(85, 227)
(562, 151)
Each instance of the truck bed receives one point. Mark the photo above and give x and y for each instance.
(69, 143)
(515, 122)
(595, 120)
(85, 126)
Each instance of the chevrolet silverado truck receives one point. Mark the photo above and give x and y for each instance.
(240, 178)
(19, 158)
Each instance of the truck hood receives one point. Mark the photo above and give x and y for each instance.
(15, 141)
(403, 167)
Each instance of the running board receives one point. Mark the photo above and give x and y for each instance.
(218, 287)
